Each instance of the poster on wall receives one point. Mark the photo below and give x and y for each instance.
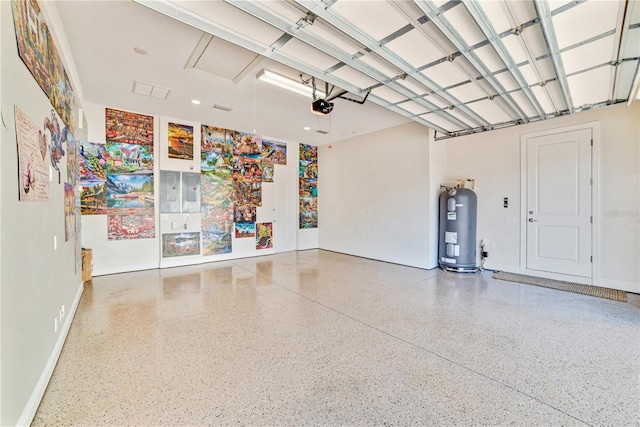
(264, 235)
(58, 137)
(33, 150)
(130, 128)
(216, 190)
(180, 244)
(180, 141)
(244, 214)
(247, 193)
(217, 140)
(247, 145)
(69, 212)
(93, 178)
(217, 229)
(40, 54)
(274, 152)
(72, 161)
(308, 212)
(245, 229)
(267, 172)
(128, 158)
(218, 163)
(131, 223)
(308, 186)
(246, 169)
(130, 191)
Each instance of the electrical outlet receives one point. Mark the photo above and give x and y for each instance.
(55, 325)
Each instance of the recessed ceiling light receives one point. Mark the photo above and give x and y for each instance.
(195, 101)
(307, 128)
(139, 50)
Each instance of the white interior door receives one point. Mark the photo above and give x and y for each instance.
(284, 226)
(559, 203)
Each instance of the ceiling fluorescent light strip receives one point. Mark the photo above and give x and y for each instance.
(288, 84)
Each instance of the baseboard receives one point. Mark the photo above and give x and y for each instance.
(31, 407)
(620, 285)
(123, 269)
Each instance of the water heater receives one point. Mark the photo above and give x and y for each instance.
(458, 221)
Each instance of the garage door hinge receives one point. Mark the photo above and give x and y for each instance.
(591, 219)
(592, 142)
(591, 258)
(590, 181)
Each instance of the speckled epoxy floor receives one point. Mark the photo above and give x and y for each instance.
(319, 338)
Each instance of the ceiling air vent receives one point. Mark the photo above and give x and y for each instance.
(324, 132)
(148, 89)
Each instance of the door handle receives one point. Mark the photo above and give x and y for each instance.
(532, 220)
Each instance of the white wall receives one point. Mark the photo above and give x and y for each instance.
(35, 279)
(493, 159)
(111, 256)
(373, 197)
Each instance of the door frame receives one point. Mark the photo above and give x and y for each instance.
(595, 203)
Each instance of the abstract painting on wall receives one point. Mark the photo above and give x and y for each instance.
(33, 176)
(128, 158)
(69, 212)
(264, 235)
(180, 141)
(180, 244)
(130, 128)
(274, 152)
(40, 54)
(216, 190)
(245, 229)
(131, 223)
(308, 186)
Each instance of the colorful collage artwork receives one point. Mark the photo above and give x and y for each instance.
(274, 152)
(127, 160)
(245, 229)
(131, 128)
(308, 186)
(33, 149)
(180, 244)
(69, 212)
(180, 141)
(93, 177)
(216, 165)
(264, 235)
(40, 54)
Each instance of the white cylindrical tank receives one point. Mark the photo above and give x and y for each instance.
(458, 222)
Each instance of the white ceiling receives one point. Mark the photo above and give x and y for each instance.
(458, 67)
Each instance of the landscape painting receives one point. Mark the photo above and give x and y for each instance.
(93, 197)
(180, 244)
(128, 158)
(247, 145)
(130, 191)
(216, 140)
(245, 229)
(180, 141)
